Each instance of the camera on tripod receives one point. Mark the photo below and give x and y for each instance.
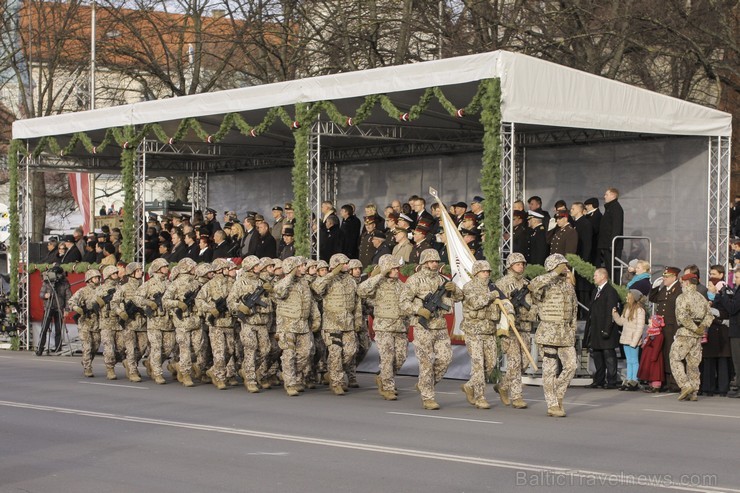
(8, 316)
(53, 275)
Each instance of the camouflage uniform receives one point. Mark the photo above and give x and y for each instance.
(320, 352)
(432, 346)
(363, 336)
(188, 333)
(220, 325)
(87, 323)
(267, 373)
(510, 385)
(112, 334)
(341, 318)
(555, 299)
(694, 317)
(480, 316)
(160, 330)
(389, 323)
(254, 334)
(297, 316)
(134, 323)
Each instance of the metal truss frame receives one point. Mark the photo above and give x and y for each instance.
(718, 201)
(570, 136)
(508, 185)
(199, 190)
(24, 220)
(140, 218)
(322, 181)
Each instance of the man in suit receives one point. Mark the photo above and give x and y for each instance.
(179, 249)
(191, 243)
(330, 238)
(277, 228)
(664, 293)
(535, 205)
(584, 228)
(266, 244)
(249, 242)
(521, 233)
(593, 214)
(72, 254)
(612, 224)
(222, 246)
(601, 334)
(350, 229)
(211, 222)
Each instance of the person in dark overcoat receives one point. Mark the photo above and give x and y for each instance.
(602, 334)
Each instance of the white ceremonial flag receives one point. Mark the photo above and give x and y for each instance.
(459, 258)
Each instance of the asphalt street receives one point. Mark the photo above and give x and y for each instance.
(60, 432)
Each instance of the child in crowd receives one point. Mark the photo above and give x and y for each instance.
(651, 360)
(632, 322)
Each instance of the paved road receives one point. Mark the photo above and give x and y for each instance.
(63, 433)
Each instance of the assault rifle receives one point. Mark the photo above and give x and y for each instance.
(188, 299)
(518, 298)
(433, 302)
(106, 300)
(250, 301)
(157, 298)
(131, 310)
(222, 309)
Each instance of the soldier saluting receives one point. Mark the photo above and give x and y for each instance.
(431, 339)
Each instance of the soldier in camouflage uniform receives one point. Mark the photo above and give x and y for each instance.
(510, 387)
(341, 318)
(159, 326)
(432, 345)
(111, 333)
(317, 363)
(211, 303)
(203, 274)
(132, 319)
(179, 301)
(297, 316)
(555, 299)
(87, 320)
(694, 318)
(363, 336)
(389, 323)
(254, 332)
(480, 316)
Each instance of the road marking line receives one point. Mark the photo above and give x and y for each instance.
(116, 385)
(446, 417)
(693, 414)
(267, 453)
(43, 359)
(568, 403)
(436, 391)
(666, 395)
(599, 476)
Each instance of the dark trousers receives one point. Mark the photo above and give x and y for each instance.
(605, 361)
(54, 315)
(735, 349)
(715, 375)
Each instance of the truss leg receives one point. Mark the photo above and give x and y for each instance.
(508, 186)
(24, 220)
(140, 204)
(718, 205)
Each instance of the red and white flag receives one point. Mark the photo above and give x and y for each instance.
(79, 183)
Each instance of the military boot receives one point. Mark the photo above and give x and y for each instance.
(159, 380)
(88, 372)
(196, 370)
(241, 373)
(469, 394)
(560, 405)
(125, 367)
(337, 389)
(187, 381)
(504, 396)
(685, 393)
(205, 378)
(110, 374)
(518, 404)
(178, 374)
(693, 397)
(353, 383)
(430, 404)
(325, 379)
(134, 376)
(265, 384)
(388, 395)
(482, 403)
(172, 368)
(555, 412)
(252, 387)
(291, 391)
(232, 381)
(220, 384)
(148, 367)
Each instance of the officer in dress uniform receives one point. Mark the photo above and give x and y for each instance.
(537, 239)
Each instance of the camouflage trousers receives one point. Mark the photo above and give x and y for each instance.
(190, 343)
(482, 351)
(318, 358)
(222, 347)
(434, 353)
(139, 345)
(686, 349)
(161, 345)
(555, 385)
(238, 356)
(363, 345)
(272, 361)
(342, 348)
(392, 348)
(90, 344)
(255, 340)
(516, 363)
(296, 351)
(116, 344)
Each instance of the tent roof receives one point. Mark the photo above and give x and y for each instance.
(534, 92)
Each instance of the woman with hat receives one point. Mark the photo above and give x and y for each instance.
(632, 321)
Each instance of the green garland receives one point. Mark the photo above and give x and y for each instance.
(490, 180)
(128, 164)
(300, 184)
(586, 271)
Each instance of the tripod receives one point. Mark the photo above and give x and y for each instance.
(52, 309)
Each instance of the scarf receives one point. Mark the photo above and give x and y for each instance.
(638, 277)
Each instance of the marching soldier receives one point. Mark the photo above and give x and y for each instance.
(87, 320)
(432, 343)
(318, 361)
(341, 318)
(297, 316)
(249, 301)
(480, 317)
(179, 301)
(694, 318)
(267, 375)
(383, 290)
(363, 336)
(211, 303)
(514, 286)
(111, 332)
(131, 319)
(160, 331)
(555, 299)
(203, 274)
